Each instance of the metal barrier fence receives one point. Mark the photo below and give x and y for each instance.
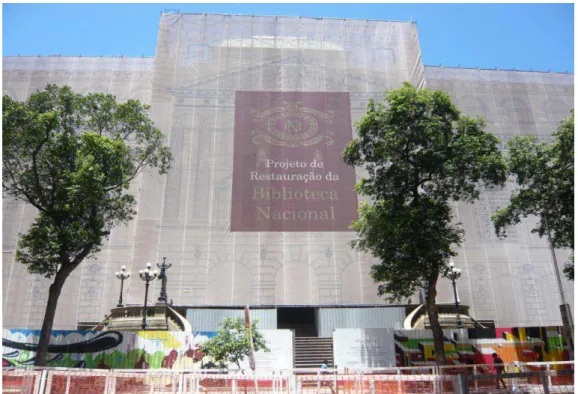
(517, 378)
(522, 378)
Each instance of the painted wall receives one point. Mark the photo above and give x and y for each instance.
(353, 348)
(523, 344)
(378, 348)
(132, 350)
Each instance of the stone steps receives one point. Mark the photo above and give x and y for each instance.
(310, 352)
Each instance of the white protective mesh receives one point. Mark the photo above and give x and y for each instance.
(511, 281)
(90, 291)
(201, 65)
(201, 62)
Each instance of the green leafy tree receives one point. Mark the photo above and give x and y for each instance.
(420, 154)
(544, 175)
(232, 342)
(73, 157)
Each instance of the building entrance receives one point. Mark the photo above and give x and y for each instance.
(299, 319)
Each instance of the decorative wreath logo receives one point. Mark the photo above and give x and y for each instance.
(292, 125)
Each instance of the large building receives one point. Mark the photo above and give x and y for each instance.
(255, 209)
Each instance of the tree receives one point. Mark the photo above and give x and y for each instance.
(232, 342)
(420, 153)
(73, 158)
(544, 175)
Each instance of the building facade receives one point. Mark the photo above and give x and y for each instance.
(255, 209)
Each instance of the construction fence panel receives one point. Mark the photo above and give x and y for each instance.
(516, 379)
(523, 382)
(21, 381)
(77, 381)
(383, 383)
(143, 382)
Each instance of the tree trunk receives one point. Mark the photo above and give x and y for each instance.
(53, 295)
(432, 313)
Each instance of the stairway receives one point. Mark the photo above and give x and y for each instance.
(311, 351)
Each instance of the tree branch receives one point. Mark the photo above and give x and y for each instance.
(135, 173)
(24, 193)
(35, 168)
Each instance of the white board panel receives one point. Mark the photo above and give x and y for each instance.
(364, 348)
(280, 343)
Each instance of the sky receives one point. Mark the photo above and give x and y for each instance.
(507, 36)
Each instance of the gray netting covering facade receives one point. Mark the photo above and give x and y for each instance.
(89, 292)
(511, 281)
(238, 95)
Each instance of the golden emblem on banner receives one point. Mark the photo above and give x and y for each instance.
(292, 125)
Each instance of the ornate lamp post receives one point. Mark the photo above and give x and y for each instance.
(147, 276)
(163, 276)
(453, 274)
(122, 275)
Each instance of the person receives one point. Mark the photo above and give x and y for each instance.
(324, 371)
(470, 364)
(499, 368)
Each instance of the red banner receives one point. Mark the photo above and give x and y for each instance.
(288, 174)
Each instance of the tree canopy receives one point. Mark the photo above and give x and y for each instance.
(232, 342)
(544, 176)
(73, 157)
(420, 153)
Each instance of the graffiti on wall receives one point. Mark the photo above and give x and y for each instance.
(476, 346)
(108, 349)
(180, 350)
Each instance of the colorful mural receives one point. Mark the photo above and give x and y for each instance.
(180, 350)
(108, 349)
(522, 344)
